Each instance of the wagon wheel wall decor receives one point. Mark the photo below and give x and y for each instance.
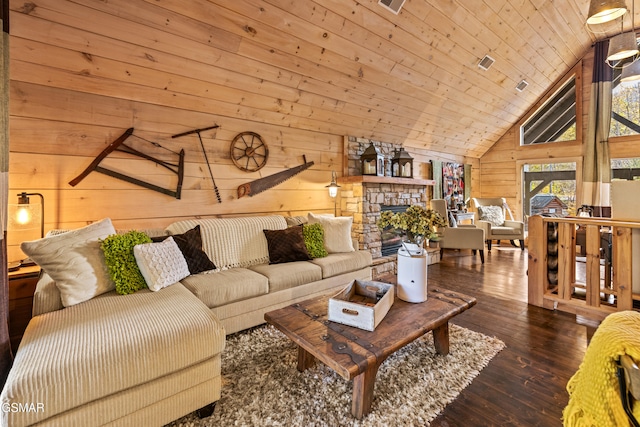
(249, 152)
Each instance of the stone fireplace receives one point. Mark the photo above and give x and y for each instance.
(363, 197)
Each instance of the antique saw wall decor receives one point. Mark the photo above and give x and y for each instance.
(118, 145)
(262, 184)
(249, 152)
(206, 159)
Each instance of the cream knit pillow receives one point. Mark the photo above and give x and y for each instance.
(161, 264)
(337, 232)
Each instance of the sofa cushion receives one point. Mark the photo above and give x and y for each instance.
(224, 287)
(190, 244)
(111, 343)
(233, 242)
(75, 261)
(162, 264)
(337, 232)
(286, 276)
(286, 245)
(121, 263)
(335, 264)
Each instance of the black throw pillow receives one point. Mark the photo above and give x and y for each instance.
(286, 245)
(190, 244)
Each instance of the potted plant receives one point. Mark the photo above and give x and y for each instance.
(417, 221)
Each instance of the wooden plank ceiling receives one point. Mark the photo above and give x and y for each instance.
(347, 67)
(412, 77)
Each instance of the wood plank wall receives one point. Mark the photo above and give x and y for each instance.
(501, 167)
(84, 72)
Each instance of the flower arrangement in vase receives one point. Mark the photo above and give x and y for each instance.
(417, 221)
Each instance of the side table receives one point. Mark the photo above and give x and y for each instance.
(465, 216)
(22, 285)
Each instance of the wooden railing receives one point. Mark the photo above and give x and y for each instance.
(607, 288)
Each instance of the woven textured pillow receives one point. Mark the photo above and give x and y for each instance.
(286, 245)
(492, 214)
(161, 264)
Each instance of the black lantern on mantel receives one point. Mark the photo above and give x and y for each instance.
(402, 164)
(372, 161)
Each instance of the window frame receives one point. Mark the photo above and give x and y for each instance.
(575, 73)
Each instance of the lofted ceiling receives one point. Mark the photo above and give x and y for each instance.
(339, 67)
(413, 78)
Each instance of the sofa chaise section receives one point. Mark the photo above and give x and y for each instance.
(141, 359)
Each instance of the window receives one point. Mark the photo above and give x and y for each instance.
(625, 107)
(555, 120)
(625, 169)
(550, 188)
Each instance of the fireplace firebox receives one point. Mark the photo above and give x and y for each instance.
(391, 237)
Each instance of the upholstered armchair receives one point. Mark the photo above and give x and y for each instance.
(492, 217)
(466, 236)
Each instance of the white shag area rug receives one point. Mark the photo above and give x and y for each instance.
(262, 387)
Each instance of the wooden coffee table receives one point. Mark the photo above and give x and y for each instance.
(355, 353)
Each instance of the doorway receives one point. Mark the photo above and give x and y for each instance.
(549, 189)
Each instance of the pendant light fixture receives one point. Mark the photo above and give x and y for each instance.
(630, 69)
(622, 46)
(601, 11)
(630, 72)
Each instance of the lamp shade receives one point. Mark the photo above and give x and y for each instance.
(622, 46)
(630, 72)
(601, 11)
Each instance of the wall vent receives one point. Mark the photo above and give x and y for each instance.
(522, 85)
(393, 5)
(486, 62)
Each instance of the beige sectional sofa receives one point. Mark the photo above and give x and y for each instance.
(151, 357)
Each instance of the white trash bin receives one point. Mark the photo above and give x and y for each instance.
(412, 273)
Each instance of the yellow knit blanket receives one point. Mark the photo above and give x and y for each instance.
(594, 396)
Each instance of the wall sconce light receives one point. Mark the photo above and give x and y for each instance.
(333, 191)
(333, 187)
(402, 164)
(25, 215)
(372, 161)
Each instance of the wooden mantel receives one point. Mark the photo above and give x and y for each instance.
(373, 179)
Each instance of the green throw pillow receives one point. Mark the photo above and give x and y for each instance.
(313, 235)
(123, 269)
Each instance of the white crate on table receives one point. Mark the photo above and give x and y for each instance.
(347, 306)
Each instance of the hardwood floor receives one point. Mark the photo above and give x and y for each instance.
(524, 385)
